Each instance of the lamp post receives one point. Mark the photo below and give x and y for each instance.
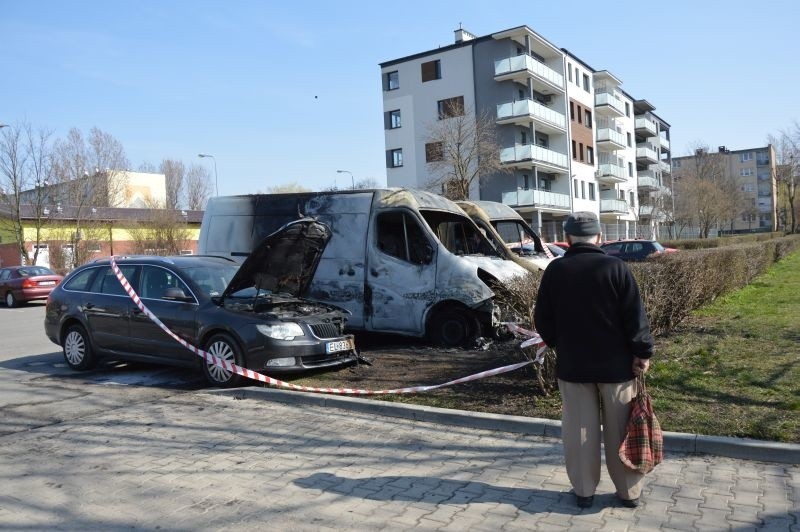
(216, 180)
(352, 179)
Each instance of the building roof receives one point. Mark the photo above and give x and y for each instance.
(101, 214)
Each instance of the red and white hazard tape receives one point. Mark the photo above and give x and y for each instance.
(250, 374)
(533, 340)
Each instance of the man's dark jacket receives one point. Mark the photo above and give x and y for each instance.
(589, 310)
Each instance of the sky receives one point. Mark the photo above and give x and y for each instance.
(285, 92)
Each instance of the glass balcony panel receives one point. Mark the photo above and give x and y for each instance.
(526, 62)
(614, 205)
(523, 108)
(536, 197)
(526, 152)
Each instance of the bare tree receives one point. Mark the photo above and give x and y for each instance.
(287, 187)
(174, 175)
(367, 183)
(460, 149)
(162, 232)
(787, 172)
(147, 167)
(26, 169)
(198, 187)
(705, 194)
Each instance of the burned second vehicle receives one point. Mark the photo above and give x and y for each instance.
(400, 260)
(254, 316)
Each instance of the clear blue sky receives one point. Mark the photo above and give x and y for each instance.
(283, 92)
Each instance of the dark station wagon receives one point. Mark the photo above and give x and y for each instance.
(254, 316)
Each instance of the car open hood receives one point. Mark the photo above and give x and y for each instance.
(502, 269)
(285, 261)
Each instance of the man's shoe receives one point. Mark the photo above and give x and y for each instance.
(629, 503)
(584, 502)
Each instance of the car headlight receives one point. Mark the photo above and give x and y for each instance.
(280, 331)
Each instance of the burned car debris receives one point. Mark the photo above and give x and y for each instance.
(254, 315)
(401, 261)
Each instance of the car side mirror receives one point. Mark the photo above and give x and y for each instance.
(176, 294)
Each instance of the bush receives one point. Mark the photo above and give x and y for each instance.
(703, 243)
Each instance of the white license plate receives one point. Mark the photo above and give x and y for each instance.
(46, 283)
(343, 345)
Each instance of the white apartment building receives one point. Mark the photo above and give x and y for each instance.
(567, 132)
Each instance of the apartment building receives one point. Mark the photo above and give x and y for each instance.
(567, 132)
(754, 171)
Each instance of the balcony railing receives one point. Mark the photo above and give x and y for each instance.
(645, 124)
(645, 210)
(610, 100)
(664, 166)
(543, 198)
(647, 181)
(525, 62)
(524, 108)
(609, 172)
(611, 135)
(529, 152)
(614, 206)
(663, 142)
(646, 151)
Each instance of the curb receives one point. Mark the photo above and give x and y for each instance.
(674, 442)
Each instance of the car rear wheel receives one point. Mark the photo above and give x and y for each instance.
(11, 301)
(453, 327)
(78, 350)
(223, 347)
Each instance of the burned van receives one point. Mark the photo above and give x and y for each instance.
(516, 238)
(400, 260)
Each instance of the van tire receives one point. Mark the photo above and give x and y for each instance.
(453, 327)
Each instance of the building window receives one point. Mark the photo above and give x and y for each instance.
(574, 150)
(587, 115)
(579, 114)
(586, 83)
(450, 107)
(392, 81)
(431, 70)
(569, 71)
(746, 156)
(583, 189)
(628, 134)
(523, 137)
(630, 169)
(572, 110)
(577, 77)
(591, 191)
(627, 109)
(676, 163)
(589, 155)
(434, 151)
(633, 199)
(393, 119)
(526, 182)
(575, 187)
(580, 150)
(394, 158)
(745, 172)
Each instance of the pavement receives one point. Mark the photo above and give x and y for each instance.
(258, 458)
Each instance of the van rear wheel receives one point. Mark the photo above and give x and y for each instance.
(453, 327)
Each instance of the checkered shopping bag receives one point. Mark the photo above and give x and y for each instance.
(643, 446)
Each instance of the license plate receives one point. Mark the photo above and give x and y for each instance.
(46, 283)
(343, 345)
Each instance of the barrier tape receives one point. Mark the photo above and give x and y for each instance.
(533, 340)
(254, 375)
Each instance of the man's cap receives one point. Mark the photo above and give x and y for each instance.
(582, 223)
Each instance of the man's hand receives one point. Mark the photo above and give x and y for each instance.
(640, 366)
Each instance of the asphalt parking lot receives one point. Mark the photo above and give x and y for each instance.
(146, 447)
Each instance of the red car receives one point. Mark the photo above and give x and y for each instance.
(20, 284)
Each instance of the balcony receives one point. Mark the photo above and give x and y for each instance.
(646, 152)
(610, 139)
(647, 181)
(525, 154)
(523, 66)
(537, 198)
(645, 211)
(611, 173)
(664, 167)
(645, 126)
(608, 103)
(664, 143)
(524, 111)
(613, 206)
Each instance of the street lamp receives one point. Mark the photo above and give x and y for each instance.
(352, 179)
(216, 180)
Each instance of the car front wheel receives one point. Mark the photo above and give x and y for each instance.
(78, 350)
(453, 327)
(223, 347)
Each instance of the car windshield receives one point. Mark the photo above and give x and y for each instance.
(458, 234)
(35, 270)
(658, 246)
(212, 279)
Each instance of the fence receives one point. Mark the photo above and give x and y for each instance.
(554, 232)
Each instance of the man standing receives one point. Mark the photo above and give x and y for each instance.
(590, 311)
